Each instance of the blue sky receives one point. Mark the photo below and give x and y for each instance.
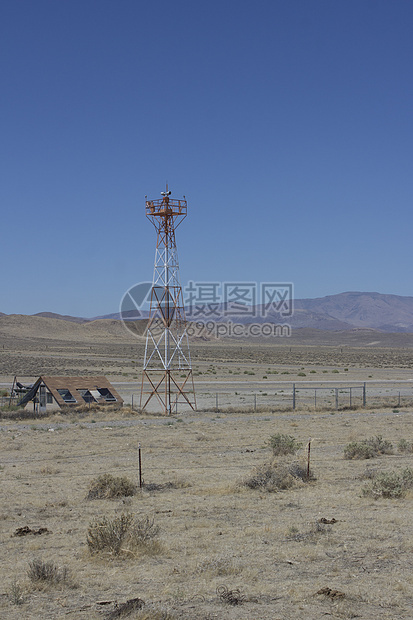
(287, 125)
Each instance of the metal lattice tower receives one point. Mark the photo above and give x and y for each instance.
(167, 370)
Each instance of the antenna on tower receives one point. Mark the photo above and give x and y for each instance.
(166, 192)
(167, 369)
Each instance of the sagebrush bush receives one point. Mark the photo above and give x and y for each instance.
(122, 534)
(358, 450)
(282, 445)
(405, 446)
(47, 572)
(390, 484)
(274, 476)
(380, 445)
(16, 593)
(271, 478)
(368, 448)
(107, 486)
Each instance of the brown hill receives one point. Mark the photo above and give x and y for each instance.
(62, 317)
(22, 326)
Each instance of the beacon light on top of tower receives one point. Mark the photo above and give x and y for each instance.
(166, 207)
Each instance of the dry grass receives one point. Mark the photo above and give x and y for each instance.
(269, 546)
(283, 554)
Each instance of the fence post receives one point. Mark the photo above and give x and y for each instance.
(336, 389)
(140, 466)
(216, 400)
(293, 396)
(308, 459)
(315, 399)
(364, 394)
(350, 397)
(255, 402)
(399, 400)
(132, 402)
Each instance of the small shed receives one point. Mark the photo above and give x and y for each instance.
(51, 393)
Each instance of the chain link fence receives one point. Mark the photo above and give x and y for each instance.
(296, 396)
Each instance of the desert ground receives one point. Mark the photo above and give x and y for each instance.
(329, 546)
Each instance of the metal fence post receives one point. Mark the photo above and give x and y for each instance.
(364, 394)
(293, 396)
(336, 389)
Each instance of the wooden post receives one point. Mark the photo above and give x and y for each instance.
(350, 397)
(216, 400)
(132, 402)
(255, 402)
(315, 398)
(293, 396)
(364, 394)
(140, 466)
(308, 459)
(336, 389)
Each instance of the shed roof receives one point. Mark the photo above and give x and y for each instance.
(73, 385)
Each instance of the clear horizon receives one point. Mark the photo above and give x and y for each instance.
(145, 307)
(287, 126)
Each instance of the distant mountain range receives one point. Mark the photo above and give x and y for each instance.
(345, 311)
(388, 313)
(63, 317)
